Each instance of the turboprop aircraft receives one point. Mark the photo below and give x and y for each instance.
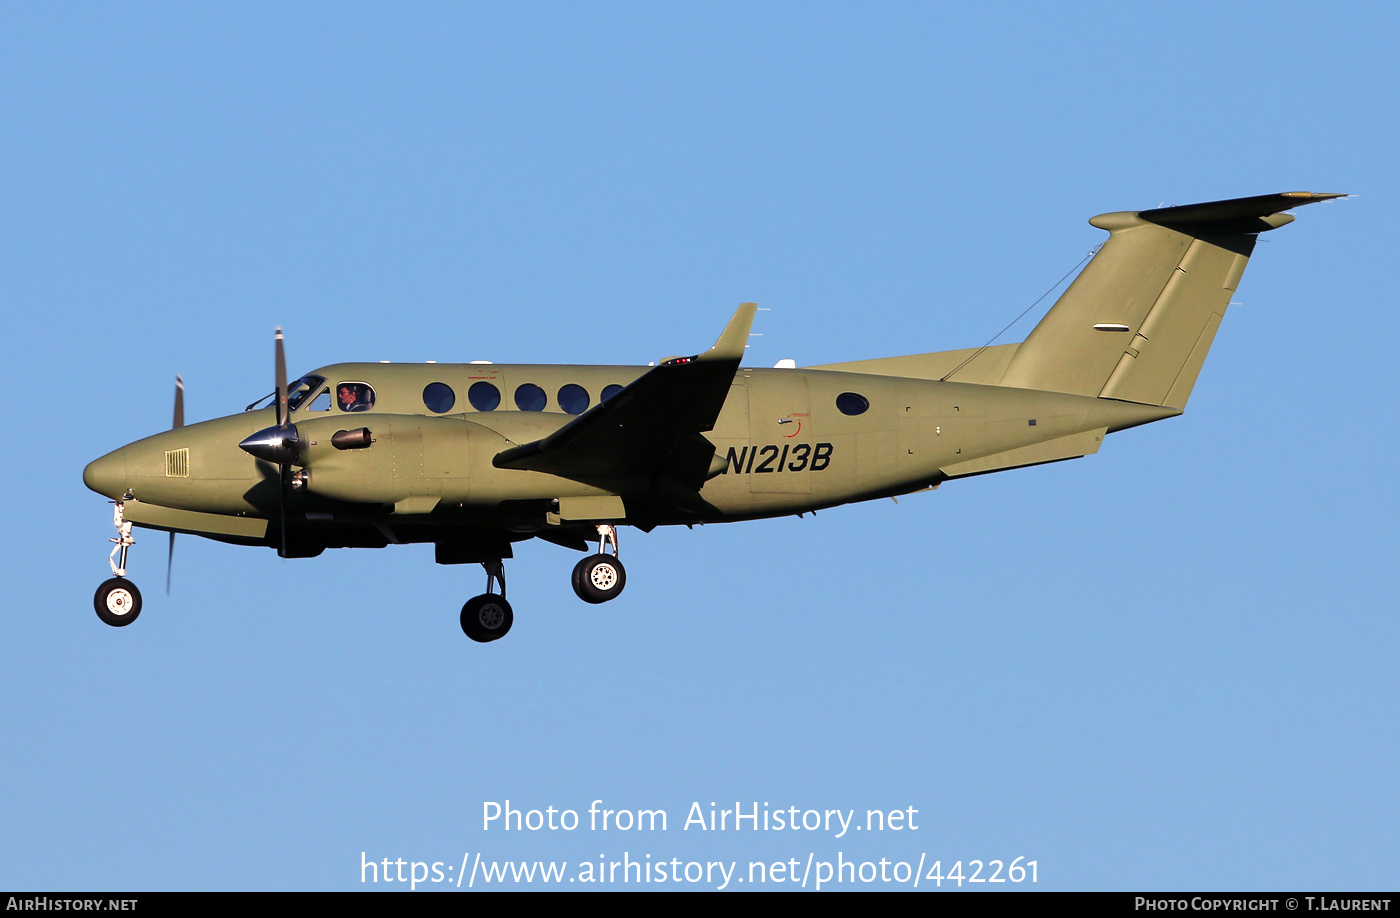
(475, 457)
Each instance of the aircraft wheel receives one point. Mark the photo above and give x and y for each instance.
(487, 618)
(599, 578)
(117, 602)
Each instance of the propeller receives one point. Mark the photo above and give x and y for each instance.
(279, 444)
(282, 423)
(177, 422)
(281, 361)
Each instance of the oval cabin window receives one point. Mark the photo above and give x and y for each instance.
(439, 397)
(530, 397)
(852, 404)
(574, 399)
(484, 396)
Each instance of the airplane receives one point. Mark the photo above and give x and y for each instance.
(476, 457)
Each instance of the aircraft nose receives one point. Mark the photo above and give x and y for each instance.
(107, 476)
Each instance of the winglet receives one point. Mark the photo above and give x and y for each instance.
(735, 337)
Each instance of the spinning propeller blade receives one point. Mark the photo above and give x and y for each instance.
(177, 421)
(278, 445)
(281, 381)
(179, 402)
(282, 417)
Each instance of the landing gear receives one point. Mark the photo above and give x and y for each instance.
(597, 578)
(488, 617)
(117, 601)
(600, 577)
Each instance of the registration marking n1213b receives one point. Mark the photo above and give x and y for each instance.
(789, 457)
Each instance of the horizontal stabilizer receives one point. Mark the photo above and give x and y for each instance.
(1238, 215)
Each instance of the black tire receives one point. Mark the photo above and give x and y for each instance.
(486, 618)
(117, 602)
(599, 578)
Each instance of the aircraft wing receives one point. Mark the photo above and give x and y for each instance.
(653, 427)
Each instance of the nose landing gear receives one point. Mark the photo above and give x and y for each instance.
(600, 577)
(117, 600)
(488, 617)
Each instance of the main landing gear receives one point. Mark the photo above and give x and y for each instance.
(488, 617)
(597, 578)
(600, 577)
(117, 601)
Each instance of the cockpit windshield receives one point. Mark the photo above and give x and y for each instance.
(303, 389)
(297, 393)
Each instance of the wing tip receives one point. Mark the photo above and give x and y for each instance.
(735, 337)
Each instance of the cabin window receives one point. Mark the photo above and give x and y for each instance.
(852, 404)
(610, 391)
(530, 397)
(354, 396)
(573, 399)
(439, 397)
(321, 402)
(484, 396)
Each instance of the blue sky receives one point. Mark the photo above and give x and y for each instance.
(1168, 666)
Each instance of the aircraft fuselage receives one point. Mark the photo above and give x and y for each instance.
(782, 446)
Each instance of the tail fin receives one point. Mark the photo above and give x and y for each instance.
(1137, 322)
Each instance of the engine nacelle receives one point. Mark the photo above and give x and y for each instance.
(400, 457)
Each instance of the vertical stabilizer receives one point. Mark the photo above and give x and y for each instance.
(1137, 322)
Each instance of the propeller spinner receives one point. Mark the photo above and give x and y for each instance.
(280, 444)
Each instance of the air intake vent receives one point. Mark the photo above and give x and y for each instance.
(177, 463)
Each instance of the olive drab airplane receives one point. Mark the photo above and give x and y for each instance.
(475, 457)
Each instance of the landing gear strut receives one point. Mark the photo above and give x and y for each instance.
(600, 577)
(117, 600)
(488, 617)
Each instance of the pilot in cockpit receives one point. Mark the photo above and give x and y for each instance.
(355, 396)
